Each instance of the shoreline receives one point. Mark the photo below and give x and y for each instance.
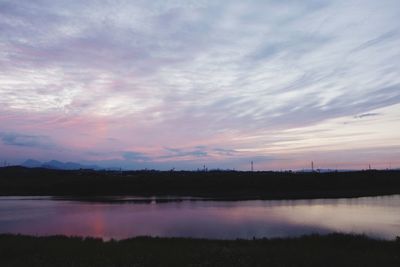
(168, 198)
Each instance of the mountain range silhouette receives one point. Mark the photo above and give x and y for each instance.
(55, 164)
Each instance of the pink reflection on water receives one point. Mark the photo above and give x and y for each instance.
(377, 216)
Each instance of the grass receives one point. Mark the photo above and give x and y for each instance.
(312, 250)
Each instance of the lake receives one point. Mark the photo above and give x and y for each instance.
(124, 217)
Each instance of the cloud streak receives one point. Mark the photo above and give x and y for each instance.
(23, 140)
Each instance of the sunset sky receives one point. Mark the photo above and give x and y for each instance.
(179, 84)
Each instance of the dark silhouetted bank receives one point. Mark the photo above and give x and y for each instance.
(314, 250)
(213, 184)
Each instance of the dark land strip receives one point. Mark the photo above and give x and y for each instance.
(213, 185)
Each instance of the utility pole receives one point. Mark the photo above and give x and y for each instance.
(312, 166)
(252, 166)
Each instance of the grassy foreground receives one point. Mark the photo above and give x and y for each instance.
(312, 250)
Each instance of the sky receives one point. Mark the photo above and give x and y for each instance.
(182, 84)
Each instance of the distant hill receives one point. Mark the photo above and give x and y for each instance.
(55, 164)
(31, 163)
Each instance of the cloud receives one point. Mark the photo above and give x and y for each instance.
(135, 156)
(22, 140)
(367, 115)
(225, 152)
(238, 68)
(197, 152)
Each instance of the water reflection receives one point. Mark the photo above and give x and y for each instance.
(375, 216)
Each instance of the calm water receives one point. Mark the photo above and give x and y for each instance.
(375, 216)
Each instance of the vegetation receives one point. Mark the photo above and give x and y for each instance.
(314, 250)
(214, 184)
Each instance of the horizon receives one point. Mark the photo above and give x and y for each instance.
(76, 166)
(181, 84)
